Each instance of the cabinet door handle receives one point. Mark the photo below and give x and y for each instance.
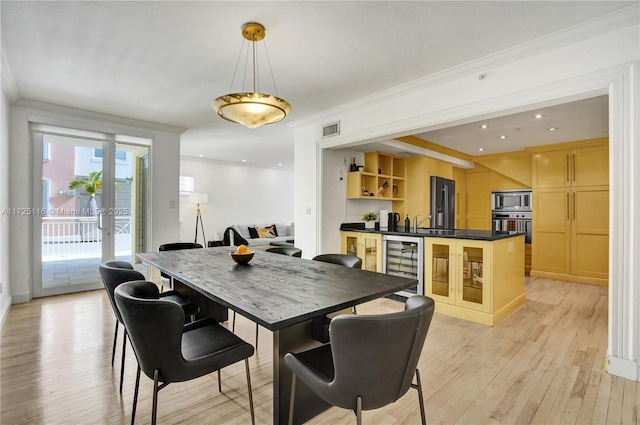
(567, 169)
(460, 284)
(574, 205)
(452, 270)
(568, 216)
(573, 168)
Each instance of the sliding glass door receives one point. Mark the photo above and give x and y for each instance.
(93, 196)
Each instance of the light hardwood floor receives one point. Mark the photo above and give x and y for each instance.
(542, 365)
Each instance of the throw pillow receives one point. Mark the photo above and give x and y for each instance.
(275, 230)
(253, 233)
(265, 232)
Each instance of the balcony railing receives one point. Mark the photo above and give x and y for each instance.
(79, 237)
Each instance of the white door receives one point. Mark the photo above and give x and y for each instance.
(93, 196)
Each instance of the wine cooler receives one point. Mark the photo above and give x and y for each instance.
(404, 256)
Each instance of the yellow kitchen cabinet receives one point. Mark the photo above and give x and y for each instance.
(366, 246)
(481, 281)
(382, 178)
(478, 200)
(571, 214)
(590, 232)
(580, 166)
(551, 236)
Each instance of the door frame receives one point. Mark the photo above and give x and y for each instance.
(109, 143)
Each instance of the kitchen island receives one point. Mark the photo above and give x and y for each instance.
(475, 275)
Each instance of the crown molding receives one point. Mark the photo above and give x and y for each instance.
(622, 18)
(8, 82)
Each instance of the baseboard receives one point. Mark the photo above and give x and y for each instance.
(505, 311)
(624, 368)
(21, 298)
(571, 278)
(6, 305)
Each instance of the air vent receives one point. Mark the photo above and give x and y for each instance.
(332, 129)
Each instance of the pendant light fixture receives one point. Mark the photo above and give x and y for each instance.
(252, 109)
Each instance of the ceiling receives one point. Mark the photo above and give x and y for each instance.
(165, 62)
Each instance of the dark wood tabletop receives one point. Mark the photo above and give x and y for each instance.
(274, 290)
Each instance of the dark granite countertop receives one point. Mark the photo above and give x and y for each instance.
(481, 235)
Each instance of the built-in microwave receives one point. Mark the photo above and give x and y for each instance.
(511, 200)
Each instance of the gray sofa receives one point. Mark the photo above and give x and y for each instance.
(285, 233)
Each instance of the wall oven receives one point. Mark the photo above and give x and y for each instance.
(512, 210)
(404, 256)
(511, 200)
(510, 222)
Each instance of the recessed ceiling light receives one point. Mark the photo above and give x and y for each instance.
(200, 155)
(538, 116)
(279, 165)
(484, 126)
(503, 137)
(244, 160)
(481, 149)
(552, 128)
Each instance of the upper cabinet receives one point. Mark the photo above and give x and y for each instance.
(382, 178)
(581, 166)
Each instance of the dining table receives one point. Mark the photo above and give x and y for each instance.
(287, 295)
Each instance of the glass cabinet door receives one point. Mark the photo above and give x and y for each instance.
(350, 243)
(440, 276)
(472, 280)
(372, 254)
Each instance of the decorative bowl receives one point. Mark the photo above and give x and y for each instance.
(241, 258)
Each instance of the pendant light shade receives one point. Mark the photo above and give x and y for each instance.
(252, 109)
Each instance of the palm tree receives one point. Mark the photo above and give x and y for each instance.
(91, 186)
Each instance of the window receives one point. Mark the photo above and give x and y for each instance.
(120, 155)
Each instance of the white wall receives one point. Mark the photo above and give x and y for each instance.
(237, 194)
(5, 293)
(164, 177)
(557, 69)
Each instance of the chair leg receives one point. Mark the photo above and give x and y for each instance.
(154, 408)
(135, 397)
(246, 368)
(359, 411)
(124, 350)
(219, 382)
(355, 311)
(292, 400)
(420, 398)
(257, 336)
(115, 338)
(233, 325)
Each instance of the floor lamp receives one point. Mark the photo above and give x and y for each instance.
(199, 198)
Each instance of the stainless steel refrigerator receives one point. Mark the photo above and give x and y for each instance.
(443, 203)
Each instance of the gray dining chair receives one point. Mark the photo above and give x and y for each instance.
(286, 250)
(115, 273)
(370, 361)
(167, 351)
(346, 260)
(341, 259)
(174, 246)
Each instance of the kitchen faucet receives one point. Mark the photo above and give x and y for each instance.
(416, 223)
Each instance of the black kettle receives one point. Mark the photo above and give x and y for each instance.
(394, 220)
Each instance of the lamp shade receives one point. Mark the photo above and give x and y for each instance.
(251, 109)
(198, 198)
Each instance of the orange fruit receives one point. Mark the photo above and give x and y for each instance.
(242, 249)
